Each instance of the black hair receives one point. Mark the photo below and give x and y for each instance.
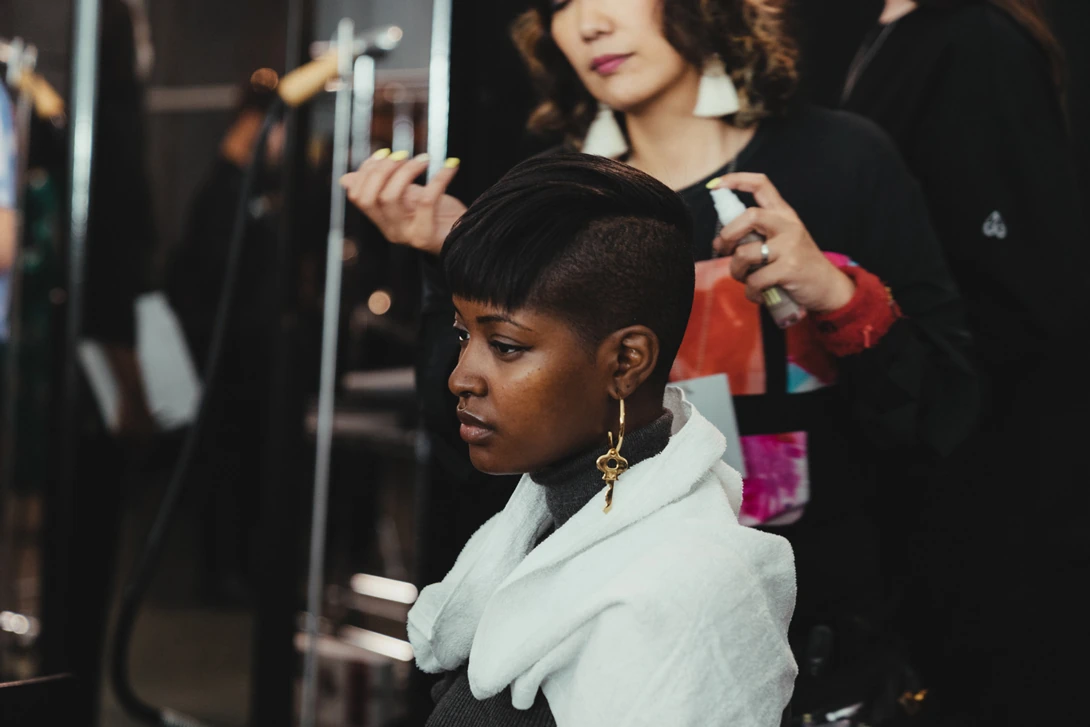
(590, 239)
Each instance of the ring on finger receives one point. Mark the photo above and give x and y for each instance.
(764, 253)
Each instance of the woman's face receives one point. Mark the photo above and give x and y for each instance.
(529, 391)
(618, 49)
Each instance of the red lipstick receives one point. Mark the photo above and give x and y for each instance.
(609, 64)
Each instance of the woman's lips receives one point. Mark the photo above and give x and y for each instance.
(608, 64)
(473, 430)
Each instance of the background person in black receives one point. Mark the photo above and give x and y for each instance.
(230, 471)
(971, 93)
(843, 190)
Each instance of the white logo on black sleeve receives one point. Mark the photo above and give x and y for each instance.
(995, 227)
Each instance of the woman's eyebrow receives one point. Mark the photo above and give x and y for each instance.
(501, 318)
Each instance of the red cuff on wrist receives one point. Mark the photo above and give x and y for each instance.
(861, 323)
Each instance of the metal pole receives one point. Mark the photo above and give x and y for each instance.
(404, 137)
(363, 109)
(438, 131)
(330, 326)
(439, 85)
(56, 596)
(84, 102)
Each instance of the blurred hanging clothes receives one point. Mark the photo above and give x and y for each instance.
(229, 460)
(29, 391)
(8, 155)
(121, 229)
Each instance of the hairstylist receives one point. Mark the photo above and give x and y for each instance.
(972, 94)
(698, 94)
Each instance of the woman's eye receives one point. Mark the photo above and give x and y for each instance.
(506, 349)
(463, 334)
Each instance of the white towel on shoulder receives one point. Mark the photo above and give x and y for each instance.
(665, 611)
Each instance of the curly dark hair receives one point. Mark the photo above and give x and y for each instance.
(748, 35)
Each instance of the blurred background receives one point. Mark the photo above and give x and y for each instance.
(90, 445)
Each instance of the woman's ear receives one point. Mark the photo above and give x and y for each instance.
(631, 354)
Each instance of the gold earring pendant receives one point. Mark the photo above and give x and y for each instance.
(611, 464)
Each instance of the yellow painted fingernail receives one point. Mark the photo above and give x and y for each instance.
(452, 163)
(381, 154)
(714, 183)
(421, 158)
(399, 156)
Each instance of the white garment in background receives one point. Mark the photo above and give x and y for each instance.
(168, 375)
(172, 386)
(664, 611)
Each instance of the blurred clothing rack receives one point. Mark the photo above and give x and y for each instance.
(225, 96)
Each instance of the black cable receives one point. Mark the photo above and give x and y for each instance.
(142, 574)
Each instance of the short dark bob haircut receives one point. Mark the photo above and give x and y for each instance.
(748, 35)
(591, 240)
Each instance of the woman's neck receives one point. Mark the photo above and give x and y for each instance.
(896, 9)
(573, 482)
(677, 148)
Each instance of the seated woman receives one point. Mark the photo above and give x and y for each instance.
(617, 586)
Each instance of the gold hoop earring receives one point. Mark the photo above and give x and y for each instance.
(611, 464)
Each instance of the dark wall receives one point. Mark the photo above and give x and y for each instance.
(46, 24)
(197, 43)
(201, 43)
(490, 96)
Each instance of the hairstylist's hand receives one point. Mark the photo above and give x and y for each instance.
(796, 263)
(419, 216)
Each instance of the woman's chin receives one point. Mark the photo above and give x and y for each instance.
(491, 462)
(487, 462)
(625, 95)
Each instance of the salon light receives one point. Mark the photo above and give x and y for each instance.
(385, 588)
(265, 79)
(15, 623)
(380, 302)
(378, 643)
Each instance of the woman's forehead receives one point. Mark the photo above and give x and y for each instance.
(530, 319)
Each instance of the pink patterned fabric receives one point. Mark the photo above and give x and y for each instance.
(778, 478)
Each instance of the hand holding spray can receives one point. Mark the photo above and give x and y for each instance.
(782, 307)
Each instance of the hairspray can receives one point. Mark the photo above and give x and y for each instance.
(784, 310)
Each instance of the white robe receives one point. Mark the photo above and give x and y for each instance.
(663, 612)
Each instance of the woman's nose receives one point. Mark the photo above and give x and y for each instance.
(594, 18)
(464, 380)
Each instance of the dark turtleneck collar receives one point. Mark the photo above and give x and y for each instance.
(573, 482)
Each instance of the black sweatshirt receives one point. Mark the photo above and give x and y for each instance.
(911, 395)
(914, 391)
(968, 98)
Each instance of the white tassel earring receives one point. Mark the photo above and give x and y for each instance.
(604, 137)
(717, 96)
